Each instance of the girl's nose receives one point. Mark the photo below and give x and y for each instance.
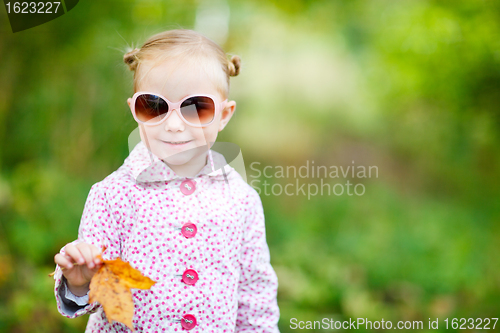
(174, 123)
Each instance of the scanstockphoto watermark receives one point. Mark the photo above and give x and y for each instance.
(357, 324)
(477, 323)
(293, 180)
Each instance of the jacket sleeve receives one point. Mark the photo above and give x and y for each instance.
(71, 303)
(99, 227)
(258, 285)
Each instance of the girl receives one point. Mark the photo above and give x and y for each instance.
(197, 230)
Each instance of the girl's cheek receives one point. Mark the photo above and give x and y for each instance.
(210, 135)
(199, 141)
(202, 138)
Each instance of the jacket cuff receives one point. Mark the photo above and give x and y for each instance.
(65, 305)
(67, 295)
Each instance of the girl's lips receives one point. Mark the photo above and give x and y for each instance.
(177, 143)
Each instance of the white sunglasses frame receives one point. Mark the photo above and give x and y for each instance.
(176, 106)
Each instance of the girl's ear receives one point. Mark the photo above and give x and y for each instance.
(227, 113)
(129, 102)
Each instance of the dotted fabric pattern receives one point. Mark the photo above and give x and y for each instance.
(137, 212)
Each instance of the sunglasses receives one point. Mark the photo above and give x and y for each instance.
(196, 110)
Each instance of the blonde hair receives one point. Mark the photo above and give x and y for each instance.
(185, 45)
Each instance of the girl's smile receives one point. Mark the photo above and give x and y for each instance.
(178, 143)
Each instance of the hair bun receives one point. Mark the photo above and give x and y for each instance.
(234, 65)
(130, 58)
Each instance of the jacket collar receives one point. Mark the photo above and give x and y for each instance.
(145, 167)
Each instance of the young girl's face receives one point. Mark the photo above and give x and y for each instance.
(176, 80)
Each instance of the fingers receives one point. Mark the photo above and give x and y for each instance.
(95, 253)
(73, 254)
(83, 253)
(62, 261)
(89, 253)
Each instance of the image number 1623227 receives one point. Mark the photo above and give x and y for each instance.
(33, 7)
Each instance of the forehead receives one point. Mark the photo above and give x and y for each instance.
(178, 78)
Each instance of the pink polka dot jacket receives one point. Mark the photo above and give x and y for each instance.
(201, 238)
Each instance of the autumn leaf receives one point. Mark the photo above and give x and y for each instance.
(110, 286)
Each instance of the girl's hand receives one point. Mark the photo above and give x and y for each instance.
(79, 265)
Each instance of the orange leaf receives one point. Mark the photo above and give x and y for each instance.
(110, 286)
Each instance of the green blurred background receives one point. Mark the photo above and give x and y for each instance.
(411, 87)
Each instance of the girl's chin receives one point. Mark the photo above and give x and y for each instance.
(175, 158)
(179, 157)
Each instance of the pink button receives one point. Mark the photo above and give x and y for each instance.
(188, 321)
(188, 186)
(189, 230)
(190, 277)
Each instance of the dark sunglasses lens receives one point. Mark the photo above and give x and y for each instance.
(198, 110)
(150, 108)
